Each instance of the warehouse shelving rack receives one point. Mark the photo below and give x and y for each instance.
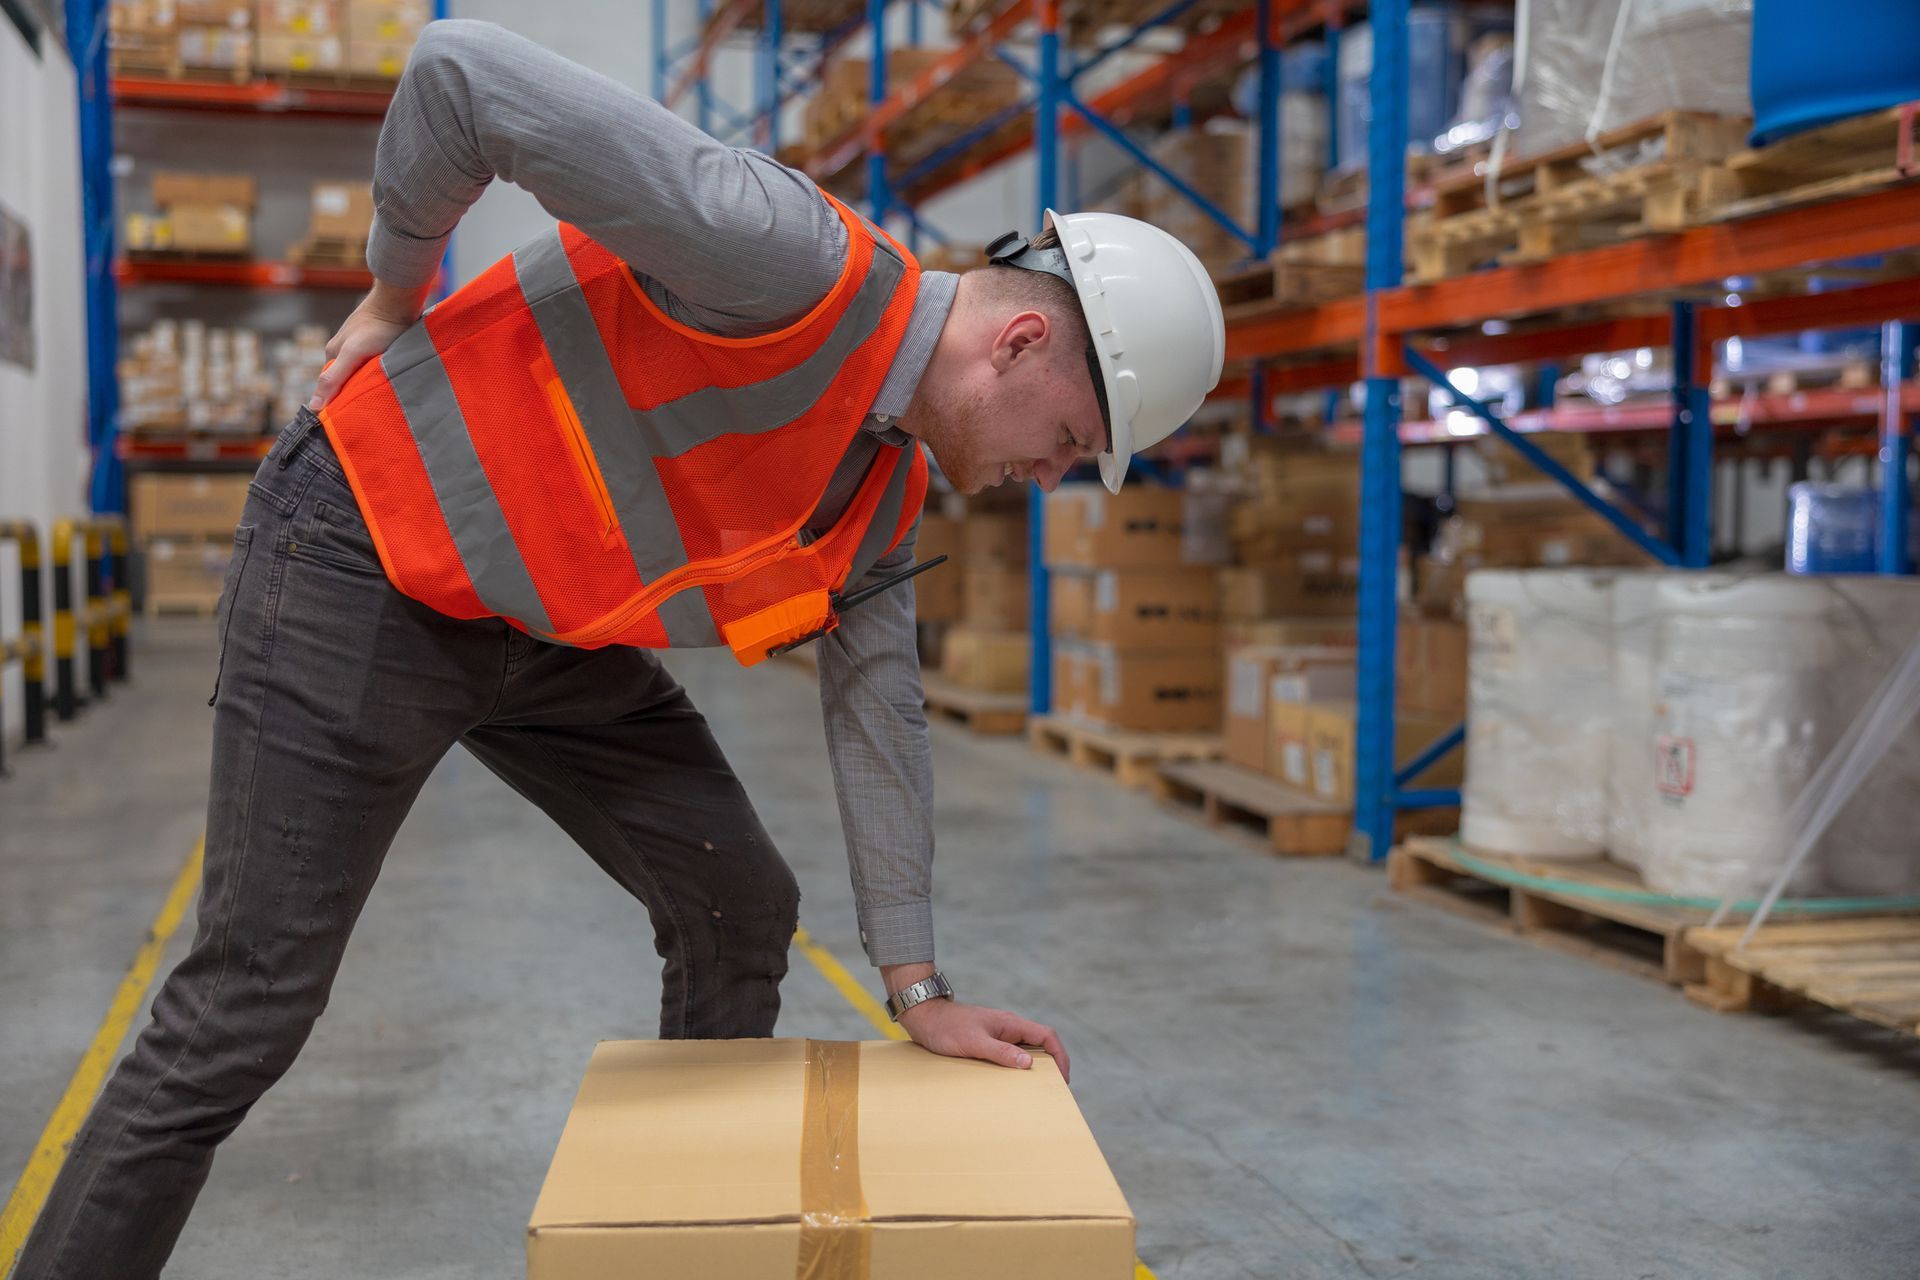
(1054, 112)
(1396, 330)
(100, 94)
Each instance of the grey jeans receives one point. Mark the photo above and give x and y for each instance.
(336, 697)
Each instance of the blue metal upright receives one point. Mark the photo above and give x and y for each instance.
(1896, 444)
(1380, 493)
(1268, 135)
(877, 195)
(87, 45)
(1046, 155)
(1689, 448)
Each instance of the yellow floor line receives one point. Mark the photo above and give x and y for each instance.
(23, 1205)
(872, 1010)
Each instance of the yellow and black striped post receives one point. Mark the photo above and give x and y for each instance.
(120, 582)
(66, 694)
(30, 648)
(99, 625)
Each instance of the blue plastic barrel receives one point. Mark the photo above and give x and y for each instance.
(1831, 528)
(1815, 61)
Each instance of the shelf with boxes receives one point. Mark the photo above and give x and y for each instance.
(973, 611)
(337, 43)
(183, 534)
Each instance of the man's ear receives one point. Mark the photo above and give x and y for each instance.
(1025, 333)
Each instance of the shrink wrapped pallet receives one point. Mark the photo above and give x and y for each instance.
(1539, 713)
(1756, 679)
(1630, 790)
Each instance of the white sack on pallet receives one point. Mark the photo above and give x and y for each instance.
(1587, 66)
(1756, 679)
(1630, 788)
(1539, 712)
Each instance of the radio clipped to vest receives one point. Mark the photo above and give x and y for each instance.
(766, 636)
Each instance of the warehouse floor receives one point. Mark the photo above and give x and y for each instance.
(1292, 1073)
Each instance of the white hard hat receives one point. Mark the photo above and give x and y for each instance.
(1154, 317)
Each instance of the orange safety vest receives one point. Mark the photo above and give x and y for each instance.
(548, 447)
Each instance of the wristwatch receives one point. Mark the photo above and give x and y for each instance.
(935, 988)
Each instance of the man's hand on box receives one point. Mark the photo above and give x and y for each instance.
(957, 1030)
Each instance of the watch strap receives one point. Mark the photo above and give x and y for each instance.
(934, 988)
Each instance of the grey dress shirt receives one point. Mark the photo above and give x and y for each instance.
(728, 241)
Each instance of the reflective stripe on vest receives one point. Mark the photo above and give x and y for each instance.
(886, 518)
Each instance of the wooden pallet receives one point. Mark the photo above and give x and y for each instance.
(1642, 178)
(1845, 158)
(978, 710)
(1647, 938)
(1286, 284)
(1869, 968)
(1133, 758)
(1226, 795)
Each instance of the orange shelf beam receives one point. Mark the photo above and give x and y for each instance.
(240, 275)
(206, 448)
(273, 97)
(1813, 410)
(719, 27)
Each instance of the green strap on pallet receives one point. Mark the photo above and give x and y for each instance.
(1646, 897)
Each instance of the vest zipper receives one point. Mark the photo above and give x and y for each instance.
(650, 596)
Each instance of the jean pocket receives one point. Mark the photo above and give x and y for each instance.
(335, 534)
(223, 613)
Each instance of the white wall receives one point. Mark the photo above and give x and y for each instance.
(43, 461)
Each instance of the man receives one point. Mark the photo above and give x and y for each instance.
(690, 416)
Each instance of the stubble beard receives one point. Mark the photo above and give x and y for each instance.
(951, 431)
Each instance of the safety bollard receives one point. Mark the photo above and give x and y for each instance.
(66, 694)
(120, 596)
(30, 646)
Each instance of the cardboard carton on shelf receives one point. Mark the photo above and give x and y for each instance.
(1306, 583)
(193, 505)
(320, 54)
(186, 571)
(987, 660)
(1141, 527)
(1155, 608)
(939, 594)
(1154, 690)
(997, 597)
(209, 228)
(1070, 602)
(1332, 727)
(994, 537)
(174, 187)
(1430, 662)
(1251, 673)
(1337, 632)
(766, 1159)
(301, 19)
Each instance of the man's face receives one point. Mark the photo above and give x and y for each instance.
(1027, 412)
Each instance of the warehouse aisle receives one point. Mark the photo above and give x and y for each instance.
(1291, 1074)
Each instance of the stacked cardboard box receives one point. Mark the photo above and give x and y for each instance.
(199, 213)
(303, 37)
(988, 649)
(339, 225)
(965, 99)
(1260, 675)
(939, 595)
(216, 36)
(1312, 745)
(1519, 527)
(143, 38)
(181, 376)
(183, 527)
(381, 35)
(1216, 160)
(1295, 536)
(1135, 610)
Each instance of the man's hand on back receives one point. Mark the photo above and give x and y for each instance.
(382, 316)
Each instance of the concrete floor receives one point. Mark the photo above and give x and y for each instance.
(1292, 1073)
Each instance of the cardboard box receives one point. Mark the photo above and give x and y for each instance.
(186, 505)
(993, 538)
(385, 59)
(301, 19)
(1251, 674)
(1070, 602)
(1066, 516)
(1430, 665)
(1156, 608)
(303, 53)
(992, 661)
(187, 570)
(211, 228)
(1341, 632)
(939, 594)
(388, 21)
(997, 597)
(1331, 731)
(1138, 528)
(705, 1158)
(1076, 669)
(342, 211)
(173, 187)
(1289, 744)
(1305, 583)
(1156, 690)
(234, 14)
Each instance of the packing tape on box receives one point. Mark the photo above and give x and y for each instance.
(835, 1232)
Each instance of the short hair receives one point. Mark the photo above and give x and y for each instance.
(1039, 291)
